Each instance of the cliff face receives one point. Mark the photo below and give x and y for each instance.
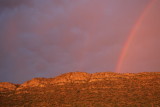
(84, 89)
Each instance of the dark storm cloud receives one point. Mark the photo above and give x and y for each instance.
(50, 37)
(10, 4)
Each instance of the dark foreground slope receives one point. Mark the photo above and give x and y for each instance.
(79, 89)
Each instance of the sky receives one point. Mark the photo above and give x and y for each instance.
(46, 38)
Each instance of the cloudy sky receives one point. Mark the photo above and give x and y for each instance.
(45, 38)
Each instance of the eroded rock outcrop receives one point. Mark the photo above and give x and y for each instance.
(72, 77)
(75, 77)
(35, 82)
(6, 86)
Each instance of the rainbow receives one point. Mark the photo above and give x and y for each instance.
(131, 36)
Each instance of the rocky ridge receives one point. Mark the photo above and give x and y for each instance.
(73, 77)
(80, 89)
(7, 86)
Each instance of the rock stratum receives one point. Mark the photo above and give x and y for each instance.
(80, 89)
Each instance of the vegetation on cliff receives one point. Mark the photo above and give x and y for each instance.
(80, 89)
